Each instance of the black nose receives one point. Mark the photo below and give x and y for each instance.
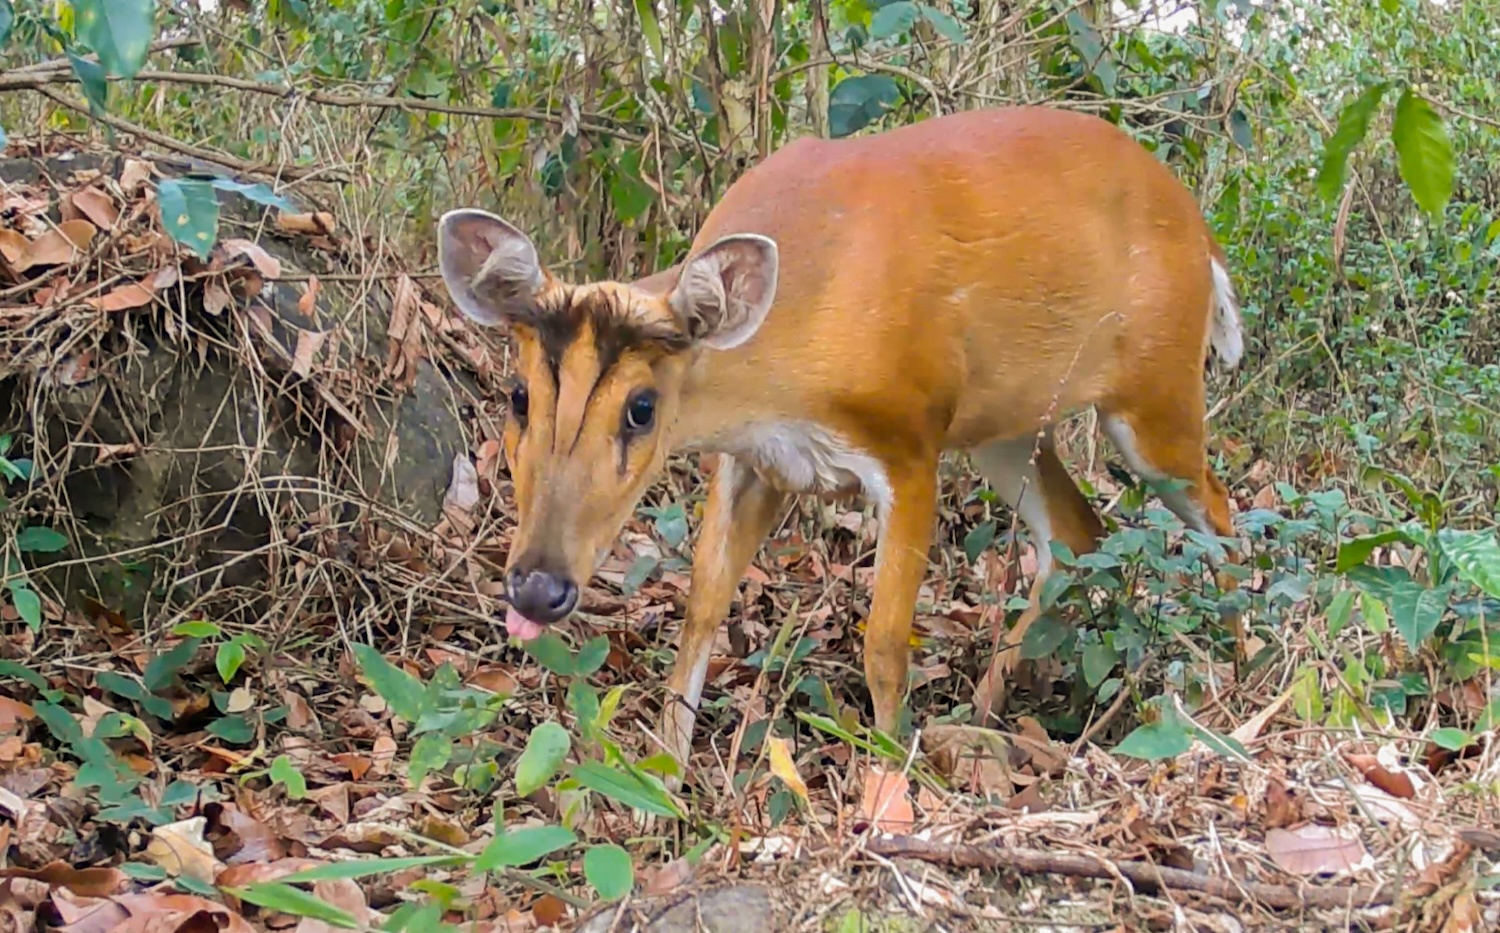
(542, 597)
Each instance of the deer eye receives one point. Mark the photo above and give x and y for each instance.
(519, 402)
(640, 411)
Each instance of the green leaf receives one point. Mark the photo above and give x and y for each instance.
(1356, 551)
(259, 192)
(545, 750)
(402, 692)
(19, 671)
(591, 656)
(236, 730)
(283, 772)
(946, 26)
(93, 80)
(1451, 739)
(280, 896)
(365, 867)
(1415, 609)
(607, 867)
(1424, 153)
(197, 628)
(646, 11)
(1239, 129)
(1045, 636)
(228, 659)
(1098, 660)
(621, 786)
(981, 537)
(430, 753)
(859, 100)
(119, 31)
(629, 194)
(28, 606)
(1091, 48)
(190, 212)
(1354, 123)
(1476, 554)
(893, 19)
(162, 670)
(1165, 738)
(7, 22)
(523, 846)
(552, 652)
(37, 538)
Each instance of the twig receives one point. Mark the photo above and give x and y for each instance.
(291, 172)
(1151, 878)
(63, 64)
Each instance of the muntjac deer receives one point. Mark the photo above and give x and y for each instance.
(849, 310)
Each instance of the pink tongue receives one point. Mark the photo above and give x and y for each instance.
(520, 626)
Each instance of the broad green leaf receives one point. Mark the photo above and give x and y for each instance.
(591, 656)
(197, 628)
(629, 194)
(228, 659)
(1356, 551)
(1339, 611)
(190, 213)
(583, 700)
(1098, 660)
(365, 867)
(429, 753)
(1165, 738)
(28, 606)
(400, 690)
(1451, 739)
(552, 652)
(1415, 609)
(646, 11)
(285, 773)
(607, 867)
(162, 670)
(893, 19)
(516, 847)
(236, 730)
(981, 537)
(36, 538)
(946, 25)
(280, 896)
(545, 750)
(1476, 554)
(119, 32)
(1091, 48)
(859, 100)
(93, 80)
(1354, 123)
(1045, 636)
(259, 192)
(19, 671)
(1424, 153)
(7, 22)
(626, 788)
(1239, 129)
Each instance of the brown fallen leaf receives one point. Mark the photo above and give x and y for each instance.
(181, 849)
(124, 298)
(308, 344)
(784, 767)
(215, 297)
(266, 264)
(135, 172)
(1283, 806)
(345, 894)
(885, 801)
(85, 882)
(13, 245)
(168, 913)
(307, 305)
(1392, 782)
(62, 244)
(97, 206)
(86, 914)
(320, 222)
(973, 756)
(1314, 849)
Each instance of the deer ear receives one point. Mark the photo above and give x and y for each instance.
(725, 292)
(490, 268)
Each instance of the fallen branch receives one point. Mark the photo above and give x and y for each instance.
(1150, 878)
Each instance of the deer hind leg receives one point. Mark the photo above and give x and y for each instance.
(1047, 500)
(739, 513)
(1168, 444)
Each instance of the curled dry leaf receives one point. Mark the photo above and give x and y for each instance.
(97, 206)
(970, 755)
(215, 297)
(783, 767)
(307, 305)
(134, 174)
(13, 245)
(320, 222)
(309, 342)
(266, 264)
(1314, 849)
(181, 849)
(85, 882)
(124, 298)
(463, 491)
(62, 244)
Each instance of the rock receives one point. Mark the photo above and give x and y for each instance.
(194, 435)
(730, 908)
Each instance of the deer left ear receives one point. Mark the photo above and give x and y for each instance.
(489, 267)
(725, 292)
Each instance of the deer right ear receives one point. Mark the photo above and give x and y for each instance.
(490, 268)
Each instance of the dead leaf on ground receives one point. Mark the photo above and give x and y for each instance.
(344, 894)
(215, 297)
(62, 244)
(885, 801)
(320, 222)
(85, 882)
(124, 298)
(463, 491)
(136, 172)
(159, 913)
(266, 264)
(13, 245)
(1315, 849)
(975, 757)
(307, 305)
(783, 767)
(309, 342)
(97, 206)
(180, 849)
(1393, 782)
